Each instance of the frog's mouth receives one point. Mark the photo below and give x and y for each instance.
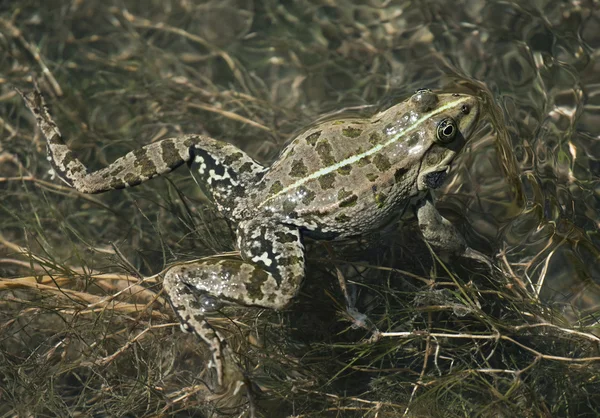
(434, 177)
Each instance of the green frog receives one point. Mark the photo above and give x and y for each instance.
(339, 179)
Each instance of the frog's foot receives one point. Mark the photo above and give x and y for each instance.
(443, 236)
(479, 257)
(360, 320)
(269, 276)
(190, 308)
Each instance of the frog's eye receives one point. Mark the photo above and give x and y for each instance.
(446, 130)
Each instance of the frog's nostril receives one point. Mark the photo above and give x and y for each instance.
(465, 109)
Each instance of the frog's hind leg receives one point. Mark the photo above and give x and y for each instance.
(268, 275)
(224, 169)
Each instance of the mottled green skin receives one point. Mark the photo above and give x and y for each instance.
(342, 200)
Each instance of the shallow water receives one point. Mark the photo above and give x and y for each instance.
(119, 74)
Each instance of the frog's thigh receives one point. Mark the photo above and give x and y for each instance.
(438, 231)
(276, 255)
(269, 275)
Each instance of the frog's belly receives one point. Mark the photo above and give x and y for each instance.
(362, 219)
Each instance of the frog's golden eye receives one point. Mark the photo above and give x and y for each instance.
(446, 130)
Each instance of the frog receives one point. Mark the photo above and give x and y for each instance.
(340, 178)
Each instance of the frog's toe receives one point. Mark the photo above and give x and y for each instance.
(479, 257)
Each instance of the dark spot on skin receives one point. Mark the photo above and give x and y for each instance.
(349, 202)
(69, 158)
(412, 140)
(374, 138)
(351, 132)
(343, 193)
(227, 267)
(231, 158)
(325, 150)
(289, 206)
(380, 199)
(372, 177)
(79, 168)
(298, 169)
(364, 161)
(117, 170)
(131, 179)
(326, 181)
(319, 214)
(254, 285)
(169, 153)
(143, 163)
(245, 168)
(115, 183)
(342, 217)
(309, 195)
(276, 187)
(382, 162)
(55, 139)
(312, 138)
(399, 174)
(338, 122)
(346, 198)
(189, 142)
(290, 261)
(345, 170)
(285, 238)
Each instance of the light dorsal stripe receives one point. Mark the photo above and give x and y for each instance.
(367, 153)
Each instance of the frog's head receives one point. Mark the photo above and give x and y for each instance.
(448, 120)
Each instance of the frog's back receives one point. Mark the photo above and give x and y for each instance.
(351, 175)
(332, 154)
(330, 173)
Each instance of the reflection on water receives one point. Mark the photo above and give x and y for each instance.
(537, 167)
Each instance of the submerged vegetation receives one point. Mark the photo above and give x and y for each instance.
(85, 328)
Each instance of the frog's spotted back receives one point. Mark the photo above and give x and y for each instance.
(345, 177)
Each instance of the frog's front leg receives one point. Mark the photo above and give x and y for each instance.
(268, 275)
(442, 235)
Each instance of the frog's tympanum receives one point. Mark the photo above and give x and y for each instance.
(338, 179)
